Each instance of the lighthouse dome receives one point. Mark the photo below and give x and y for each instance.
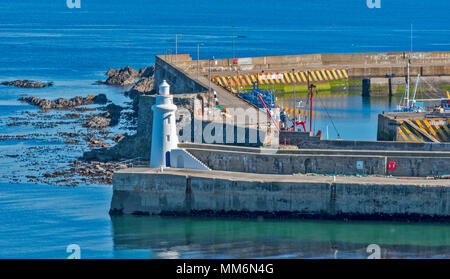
(164, 88)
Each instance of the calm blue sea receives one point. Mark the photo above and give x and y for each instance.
(45, 40)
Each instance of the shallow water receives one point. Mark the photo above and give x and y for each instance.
(44, 40)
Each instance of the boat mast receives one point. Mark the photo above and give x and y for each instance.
(415, 88)
(411, 38)
(409, 62)
(407, 88)
(312, 86)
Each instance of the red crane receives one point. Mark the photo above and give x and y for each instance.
(268, 112)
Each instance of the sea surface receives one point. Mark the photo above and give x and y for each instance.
(45, 40)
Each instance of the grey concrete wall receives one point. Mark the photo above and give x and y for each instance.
(292, 162)
(146, 192)
(296, 138)
(290, 151)
(387, 132)
(179, 81)
(289, 163)
(374, 145)
(387, 128)
(359, 64)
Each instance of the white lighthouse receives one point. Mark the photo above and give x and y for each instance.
(164, 131)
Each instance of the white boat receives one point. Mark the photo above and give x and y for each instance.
(408, 104)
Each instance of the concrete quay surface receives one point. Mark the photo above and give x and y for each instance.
(145, 191)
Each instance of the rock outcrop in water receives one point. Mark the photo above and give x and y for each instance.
(110, 117)
(144, 86)
(147, 72)
(63, 103)
(127, 76)
(27, 84)
(97, 122)
(112, 111)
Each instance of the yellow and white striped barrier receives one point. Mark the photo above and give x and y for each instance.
(290, 77)
(436, 128)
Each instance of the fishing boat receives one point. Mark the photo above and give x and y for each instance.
(445, 102)
(408, 102)
(264, 99)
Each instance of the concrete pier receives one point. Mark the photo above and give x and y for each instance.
(146, 191)
(414, 127)
(412, 163)
(260, 181)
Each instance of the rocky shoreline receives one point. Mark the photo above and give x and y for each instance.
(70, 127)
(64, 104)
(127, 75)
(27, 84)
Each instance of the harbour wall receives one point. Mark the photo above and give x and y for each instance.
(180, 82)
(396, 86)
(188, 192)
(273, 161)
(189, 76)
(358, 64)
(304, 141)
(415, 127)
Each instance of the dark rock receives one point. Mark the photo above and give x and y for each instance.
(110, 117)
(12, 156)
(147, 72)
(63, 103)
(125, 76)
(119, 137)
(99, 99)
(97, 122)
(144, 86)
(27, 84)
(113, 112)
(111, 72)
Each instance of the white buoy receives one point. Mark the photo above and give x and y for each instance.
(164, 131)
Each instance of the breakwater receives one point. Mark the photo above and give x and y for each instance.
(145, 191)
(414, 127)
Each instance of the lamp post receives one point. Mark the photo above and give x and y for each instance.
(198, 58)
(209, 90)
(176, 47)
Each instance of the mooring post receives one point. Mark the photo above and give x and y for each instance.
(366, 87)
(390, 87)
